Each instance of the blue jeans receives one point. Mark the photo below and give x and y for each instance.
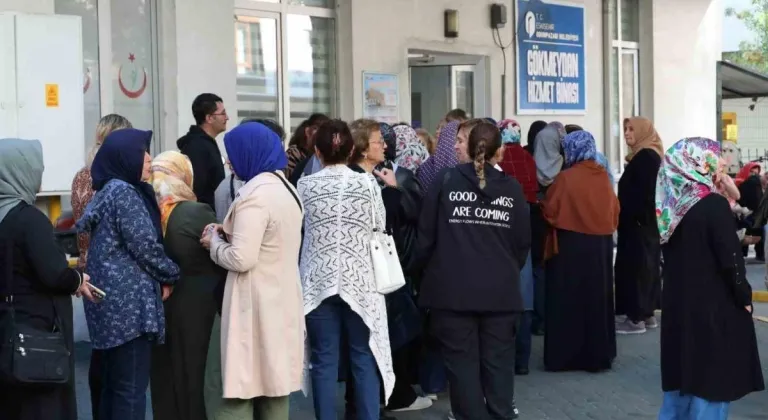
(124, 381)
(324, 327)
(688, 407)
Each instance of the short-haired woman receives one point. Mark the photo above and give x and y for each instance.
(340, 297)
(472, 213)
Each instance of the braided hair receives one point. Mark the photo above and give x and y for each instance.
(484, 141)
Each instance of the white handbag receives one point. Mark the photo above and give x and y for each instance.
(386, 263)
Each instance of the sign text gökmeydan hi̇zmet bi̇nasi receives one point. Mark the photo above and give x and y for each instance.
(551, 61)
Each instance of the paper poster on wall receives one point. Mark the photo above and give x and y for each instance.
(380, 97)
(551, 58)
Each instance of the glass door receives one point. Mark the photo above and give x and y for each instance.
(258, 56)
(463, 88)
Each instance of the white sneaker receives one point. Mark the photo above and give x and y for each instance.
(420, 403)
(450, 415)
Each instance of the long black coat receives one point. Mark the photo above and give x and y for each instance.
(638, 252)
(42, 288)
(708, 343)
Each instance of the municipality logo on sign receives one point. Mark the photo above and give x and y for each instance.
(530, 24)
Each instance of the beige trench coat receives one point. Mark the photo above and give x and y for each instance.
(262, 325)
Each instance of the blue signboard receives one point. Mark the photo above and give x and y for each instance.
(551, 59)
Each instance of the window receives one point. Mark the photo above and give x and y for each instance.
(286, 60)
(624, 73)
(119, 73)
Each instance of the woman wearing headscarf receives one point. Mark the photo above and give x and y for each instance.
(533, 131)
(444, 157)
(178, 366)
(82, 194)
(41, 282)
(548, 154)
(549, 162)
(637, 269)
(410, 150)
(709, 353)
(227, 189)
(262, 322)
(520, 165)
(127, 261)
(583, 213)
(751, 191)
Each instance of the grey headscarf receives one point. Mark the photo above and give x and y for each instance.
(21, 173)
(547, 155)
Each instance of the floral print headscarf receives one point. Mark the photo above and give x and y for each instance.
(510, 131)
(578, 147)
(411, 152)
(685, 177)
(172, 181)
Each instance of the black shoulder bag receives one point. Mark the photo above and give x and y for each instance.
(29, 357)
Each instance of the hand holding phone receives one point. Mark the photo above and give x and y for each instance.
(96, 292)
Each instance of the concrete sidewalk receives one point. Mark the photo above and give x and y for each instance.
(632, 390)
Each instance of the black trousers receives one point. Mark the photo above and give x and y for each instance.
(479, 354)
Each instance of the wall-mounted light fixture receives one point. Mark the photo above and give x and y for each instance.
(451, 23)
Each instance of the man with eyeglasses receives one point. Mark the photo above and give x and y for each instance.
(199, 144)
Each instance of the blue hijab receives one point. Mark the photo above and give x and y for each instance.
(122, 157)
(580, 146)
(253, 149)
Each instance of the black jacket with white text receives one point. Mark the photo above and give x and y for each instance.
(472, 242)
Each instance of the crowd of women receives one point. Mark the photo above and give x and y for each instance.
(213, 303)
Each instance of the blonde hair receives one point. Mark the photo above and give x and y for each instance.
(427, 139)
(106, 125)
(362, 130)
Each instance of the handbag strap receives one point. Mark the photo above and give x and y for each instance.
(373, 202)
(8, 271)
(295, 197)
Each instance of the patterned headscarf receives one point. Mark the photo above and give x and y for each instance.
(172, 180)
(390, 139)
(685, 177)
(411, 152)
(444, 157)
(578, 147)
(510, 131)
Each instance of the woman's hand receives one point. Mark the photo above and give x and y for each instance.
(167, 290)
(84, 290)
(748, 308)
(208, 232)
(388, 176)
(725, 183)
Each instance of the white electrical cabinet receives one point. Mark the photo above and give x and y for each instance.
(41, 91)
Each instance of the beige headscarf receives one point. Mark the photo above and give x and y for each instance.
(172, 180)
(646, 137)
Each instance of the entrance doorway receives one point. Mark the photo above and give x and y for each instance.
(441, 82)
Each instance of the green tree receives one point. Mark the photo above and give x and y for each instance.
(753, 53)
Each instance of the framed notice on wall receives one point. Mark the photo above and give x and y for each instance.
(380, 97)
(551, 58)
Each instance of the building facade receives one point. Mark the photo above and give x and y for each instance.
(285, 59)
